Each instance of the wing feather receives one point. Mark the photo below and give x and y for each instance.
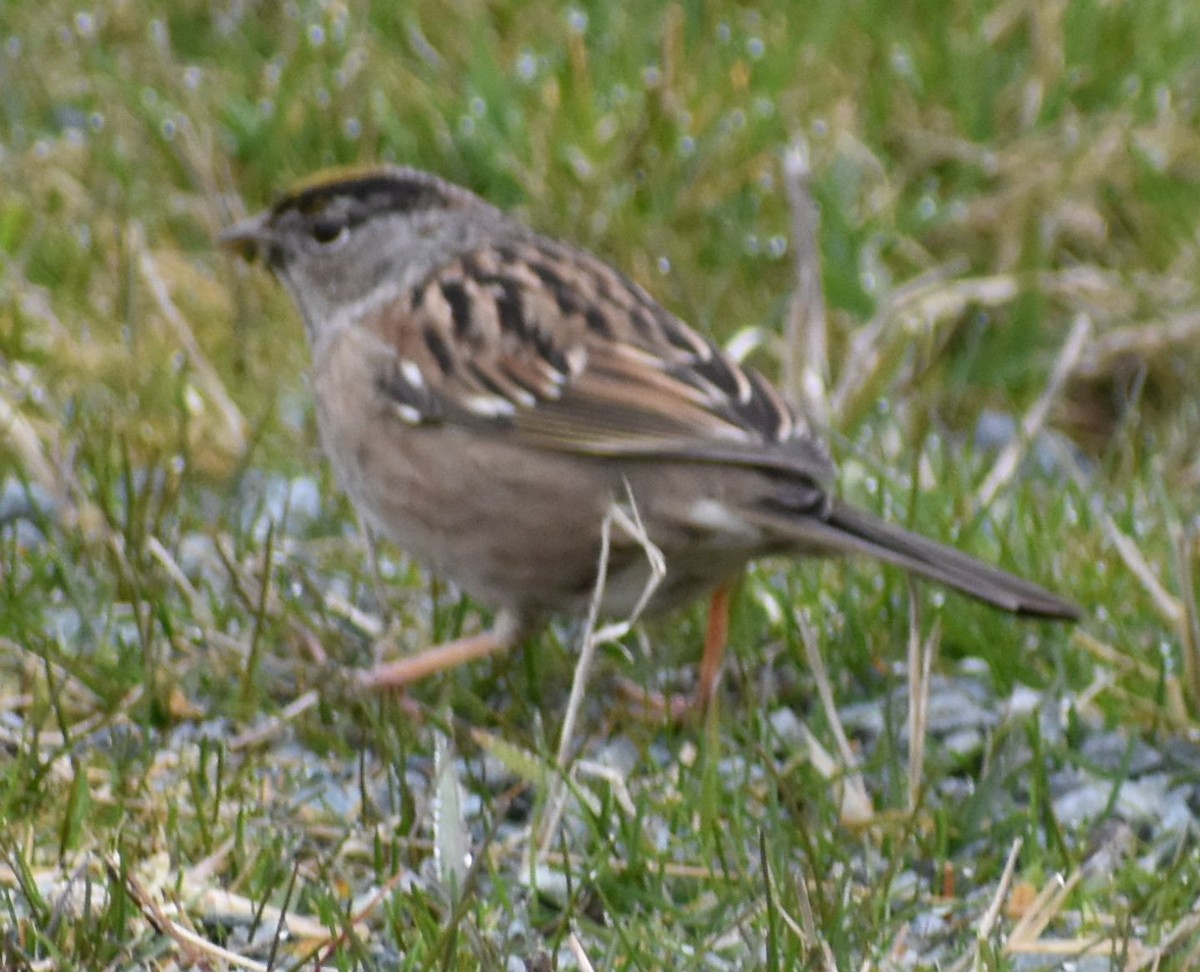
(553, 346)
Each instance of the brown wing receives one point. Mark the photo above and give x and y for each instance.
(534, 340)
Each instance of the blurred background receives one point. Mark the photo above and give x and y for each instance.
(1008, 196)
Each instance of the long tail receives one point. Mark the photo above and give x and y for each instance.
(848, 530)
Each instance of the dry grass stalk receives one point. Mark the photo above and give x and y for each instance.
(575, 946)
(196, 604)
(1189, 626)
(923, 304)
(1187, 928)
(987, 924)
(275, 725)
(206, 375)
(39, 455)
(805, 928)
(987, 921)
(1009, 460)
(196, 949)
(921, 653)
(806, 363)
(24, 440)
(1145, 340)
(1169, 608)
(808, 923)
(854, 802)
(1028, 930)
(590, 639)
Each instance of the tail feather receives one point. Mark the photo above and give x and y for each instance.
(848, 530)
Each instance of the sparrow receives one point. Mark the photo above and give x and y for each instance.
(487, 396)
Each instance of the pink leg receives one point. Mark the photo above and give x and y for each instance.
(439, 658)
(715, 640)
(677, 707)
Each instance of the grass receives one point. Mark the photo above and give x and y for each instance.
(184, 762)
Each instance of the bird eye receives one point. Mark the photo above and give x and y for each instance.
(329, 231)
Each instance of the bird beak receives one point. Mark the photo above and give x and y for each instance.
(249, 238)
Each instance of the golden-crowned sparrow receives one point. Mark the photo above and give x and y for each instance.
(486, 395)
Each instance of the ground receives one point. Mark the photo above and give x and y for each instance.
(1000, 347)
